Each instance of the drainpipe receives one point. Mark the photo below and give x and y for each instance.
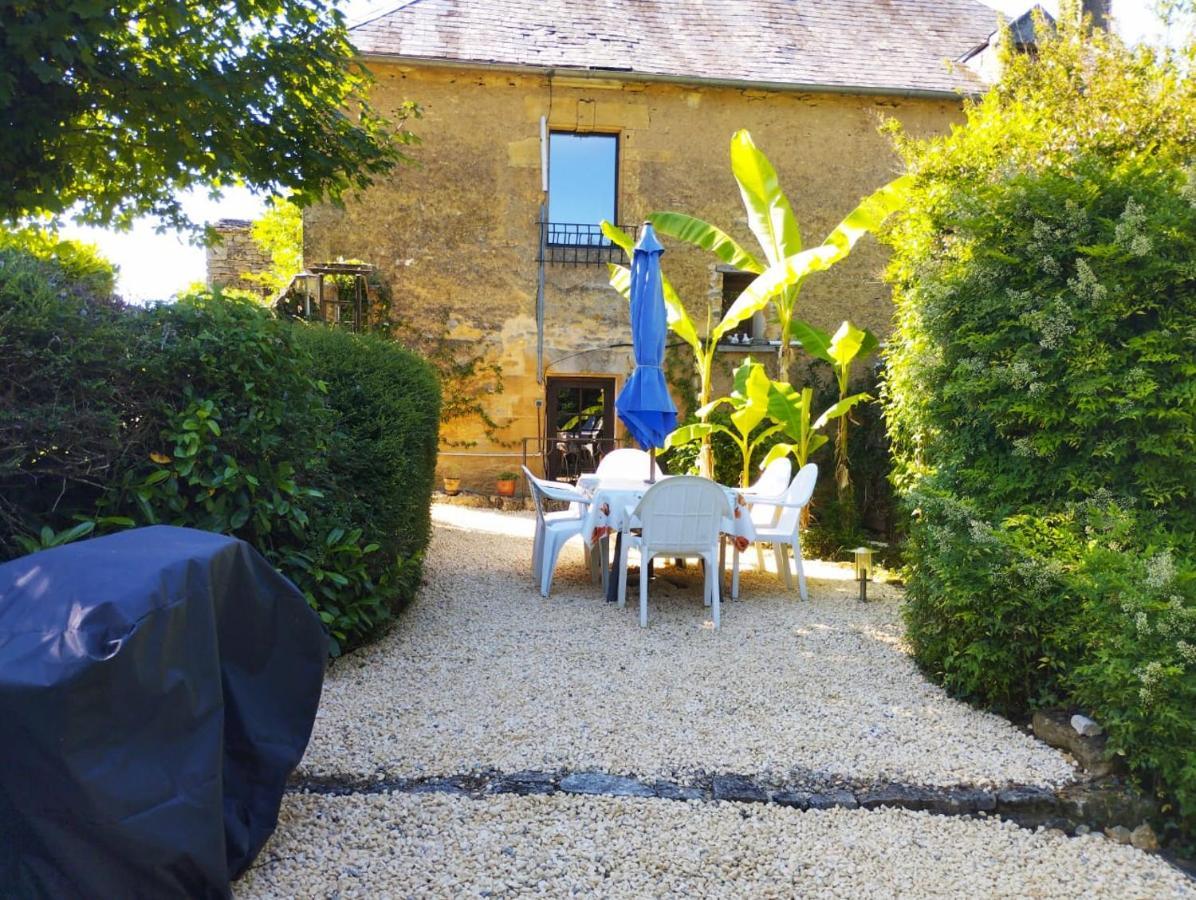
(542, 226)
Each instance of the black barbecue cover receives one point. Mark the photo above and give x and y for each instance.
(157, 686)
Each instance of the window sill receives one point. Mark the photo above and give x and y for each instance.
(727, 347)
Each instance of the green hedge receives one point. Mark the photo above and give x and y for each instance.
(211, 413)
(1041, 397)
(387, 406)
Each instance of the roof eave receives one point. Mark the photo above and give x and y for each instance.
(628, 75)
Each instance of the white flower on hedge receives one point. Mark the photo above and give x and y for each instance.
(1160, 570)
(1150, 675)
(1085, 284)
(1128, 231)
(1187, 652)
(1023, 447)
(1055, 326)
(981, 532)
(1142, 623)
(1021, 373)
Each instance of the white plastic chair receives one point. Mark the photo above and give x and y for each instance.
(554, 529)
(771, 484)
(627, 462)
(785, 533)
(679, 517)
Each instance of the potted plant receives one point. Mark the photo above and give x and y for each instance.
(452, 483)
(505, 484)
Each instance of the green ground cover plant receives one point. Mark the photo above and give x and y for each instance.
(1041, 399)
(210, 412)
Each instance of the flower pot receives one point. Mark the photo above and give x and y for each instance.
(505, 487)
(452, 486)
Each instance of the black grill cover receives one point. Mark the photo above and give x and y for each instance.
(157, 686)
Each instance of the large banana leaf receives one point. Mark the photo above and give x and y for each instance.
(703, 411)
(688, 434)
(790, 409)
(751, 407)
(789, 271)
(814, 341)
(871, 213)
(839, 349)
(846, 344)
(780, 451)
(769, 214)
(842, 408)
(707, 236)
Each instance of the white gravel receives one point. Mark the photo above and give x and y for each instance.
(484, 673)
(443, 846)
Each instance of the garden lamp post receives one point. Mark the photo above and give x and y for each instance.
(863, 570)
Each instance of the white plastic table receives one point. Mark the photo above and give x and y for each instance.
(612, 509)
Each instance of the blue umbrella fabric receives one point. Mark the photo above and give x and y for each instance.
(644, 404)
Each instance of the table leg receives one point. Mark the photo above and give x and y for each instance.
(612, 583)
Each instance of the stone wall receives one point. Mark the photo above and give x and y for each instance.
(455, 235)
(234, 255)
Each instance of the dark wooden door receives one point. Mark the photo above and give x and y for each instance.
(580, 425)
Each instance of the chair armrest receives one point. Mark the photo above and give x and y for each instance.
(564, 494)
(764, 499)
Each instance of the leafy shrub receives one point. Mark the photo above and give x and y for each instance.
(386, 403)
(209, 413)
(1041, 396)
(66, 400)
(80, 264)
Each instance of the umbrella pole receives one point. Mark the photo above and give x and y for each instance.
(652, 466)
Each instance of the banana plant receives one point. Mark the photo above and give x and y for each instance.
(839, 350)
(793, 411)
(750, 403)
(785, 265)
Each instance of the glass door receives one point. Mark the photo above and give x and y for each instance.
(580, 425)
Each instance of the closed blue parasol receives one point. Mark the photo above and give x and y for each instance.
(644, 404)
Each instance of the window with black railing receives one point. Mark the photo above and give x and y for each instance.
(583, 173)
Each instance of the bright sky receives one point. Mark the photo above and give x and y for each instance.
(155, 266)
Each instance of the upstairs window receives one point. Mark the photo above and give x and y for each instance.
(582, 180)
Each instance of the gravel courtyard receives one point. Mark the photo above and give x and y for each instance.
(482, 674)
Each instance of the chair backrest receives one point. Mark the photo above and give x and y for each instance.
(799, 494)
(682, 514)
(774, 479)
(771, 483)
(626, 462)
(537, 496)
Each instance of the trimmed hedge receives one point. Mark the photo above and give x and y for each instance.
(1041, 397)
(387, 406)
(211, 413)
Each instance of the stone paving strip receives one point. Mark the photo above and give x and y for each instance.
(436, 845)
(483, 674)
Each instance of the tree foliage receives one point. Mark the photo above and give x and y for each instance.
(279, 233)
(109, 109)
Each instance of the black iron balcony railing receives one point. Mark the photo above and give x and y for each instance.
(577, 244)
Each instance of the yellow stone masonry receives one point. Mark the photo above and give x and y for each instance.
(455, 235)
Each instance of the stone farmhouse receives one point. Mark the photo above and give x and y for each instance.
(541, 117)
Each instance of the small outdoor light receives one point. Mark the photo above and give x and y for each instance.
(863, 570)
